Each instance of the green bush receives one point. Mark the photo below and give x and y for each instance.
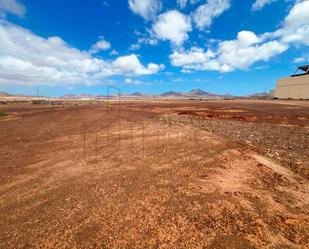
(2, 114)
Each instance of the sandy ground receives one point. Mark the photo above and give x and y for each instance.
(97, 176)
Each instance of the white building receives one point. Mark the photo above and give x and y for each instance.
(294, 87)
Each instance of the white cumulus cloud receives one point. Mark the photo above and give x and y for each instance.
(100, 45)
(259, 4)
(14, 7)
(172, 26)
(130, 64)
(132, 82)
(193, 56)
(301, 60)
(28, 59)
(249, 48)
(240, 53)
(114, 52)
(148, 9)
(205, 13)
(295, 28)
(246, 50)
(183, 3)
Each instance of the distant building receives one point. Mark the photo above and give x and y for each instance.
(294, 87)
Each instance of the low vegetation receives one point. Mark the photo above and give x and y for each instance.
(3, 114)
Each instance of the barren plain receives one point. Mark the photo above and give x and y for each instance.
(155, 174)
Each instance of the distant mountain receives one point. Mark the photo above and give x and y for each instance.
(70, 96)
(195, 93)
(171, 94)
(76, 96)
(4, 94)
(87, 96)
(198, 92)
(262, 95)
(137, 94)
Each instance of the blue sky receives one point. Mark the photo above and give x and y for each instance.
(151, 46)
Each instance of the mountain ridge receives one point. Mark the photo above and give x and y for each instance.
(194, 93)
(5, 94)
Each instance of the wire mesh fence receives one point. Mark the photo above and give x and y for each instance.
(113, 133)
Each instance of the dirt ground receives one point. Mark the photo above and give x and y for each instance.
(155, 174)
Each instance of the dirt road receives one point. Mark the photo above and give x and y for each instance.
(92, 176)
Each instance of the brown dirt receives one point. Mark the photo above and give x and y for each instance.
(77, 176)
